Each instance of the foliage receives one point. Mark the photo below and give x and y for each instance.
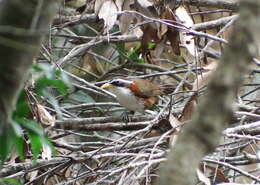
(9, 181)
(22, 124)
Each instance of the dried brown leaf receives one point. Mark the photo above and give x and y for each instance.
(186, 40)
(87, 7)
(126, 19)
(189, 108)
(75, 3)
(145, 3)
(172, 34)
(90, 64)
(44, 116)
(174, 123)
(203, 78)
(98, 5)
(158, 50)
(163, 30)
(146, 8)
(219, 174)
(163, 126)
(119, 4)
(138, 32)
(202, 177)
(149, 35)
(46, 152)
(33, 175)
(107, 11)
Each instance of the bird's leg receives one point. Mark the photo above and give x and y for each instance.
(125, 116)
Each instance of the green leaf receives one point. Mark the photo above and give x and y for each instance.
(35, 134)
(47, 70)
(10, 181)
(64, 78)
(81, 97)
(36, 68)
(133, 53)
(55, 104)
(44, 82)
(18, 131)
(11, 137)
(5, 143)
(22, 108)
(136, 48)
(46, 76)
(36, 145)
(46, 141)
(30, 126)
(151, 45)
(17, 139)
(120, 47)
(19, 147)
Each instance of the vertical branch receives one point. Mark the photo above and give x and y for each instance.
(202, 135)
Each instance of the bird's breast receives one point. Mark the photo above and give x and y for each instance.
(127, 99)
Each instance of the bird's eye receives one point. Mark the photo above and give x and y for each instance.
(116, 83)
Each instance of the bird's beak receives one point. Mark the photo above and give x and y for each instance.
(106, 86)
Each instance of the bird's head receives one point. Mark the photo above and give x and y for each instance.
(116, 83)
(121, 88)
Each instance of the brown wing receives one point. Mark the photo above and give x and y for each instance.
(146, 89)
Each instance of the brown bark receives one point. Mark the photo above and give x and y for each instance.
(202, 135)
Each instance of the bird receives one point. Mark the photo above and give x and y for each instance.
(136, 95)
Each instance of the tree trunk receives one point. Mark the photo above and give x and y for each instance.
(23, 23)
(201, 136)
